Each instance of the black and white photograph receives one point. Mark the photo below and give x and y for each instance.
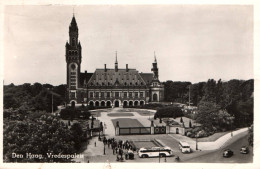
(128, 83)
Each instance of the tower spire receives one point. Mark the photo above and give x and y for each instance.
(155, 60)
(116, 63)
(116, 57)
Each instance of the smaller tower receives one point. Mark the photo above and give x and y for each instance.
(116, 63)
(155, 69)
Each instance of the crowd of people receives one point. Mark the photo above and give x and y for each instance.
(120, 148)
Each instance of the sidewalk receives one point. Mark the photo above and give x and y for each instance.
(209, 145)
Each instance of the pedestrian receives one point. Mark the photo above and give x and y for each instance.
(113, 151)
(126, 156)
(95, 144)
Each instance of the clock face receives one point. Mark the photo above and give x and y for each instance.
(73, 66)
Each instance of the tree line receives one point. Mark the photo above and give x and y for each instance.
(222, 105)
(34, 97)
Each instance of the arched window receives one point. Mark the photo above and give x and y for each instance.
(73, 41)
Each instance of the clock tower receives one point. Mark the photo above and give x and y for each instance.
(73, 60)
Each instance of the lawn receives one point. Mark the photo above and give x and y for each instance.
(127, 122)
(145, 112)
(119, 114)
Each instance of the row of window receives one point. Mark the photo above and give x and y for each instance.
(110, 84)
(116, 94)
(73, 52)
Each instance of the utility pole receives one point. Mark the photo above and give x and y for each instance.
(159, 153)
(189, 96)
(52, 102)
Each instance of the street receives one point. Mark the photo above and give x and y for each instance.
(216, 156)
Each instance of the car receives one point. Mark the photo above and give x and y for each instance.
(227, 153)
(244, 150)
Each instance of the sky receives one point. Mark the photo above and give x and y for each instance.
(191, 42)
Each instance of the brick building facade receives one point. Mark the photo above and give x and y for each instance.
(108, 87)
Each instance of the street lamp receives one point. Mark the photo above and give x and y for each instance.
(104, 149)
(196, 141)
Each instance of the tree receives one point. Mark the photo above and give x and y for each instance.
(176, 91)
(42, 135)
(167, 112)
(213, 118)
(77, 133)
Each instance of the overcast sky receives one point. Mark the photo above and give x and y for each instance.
(192, 42)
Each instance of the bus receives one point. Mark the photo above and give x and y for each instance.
(155, 152)
(184, 147)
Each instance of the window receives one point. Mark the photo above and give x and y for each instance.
(108, 94)
(73, 95)
(136, 94)
(141, 94)
(102, 94)
(117, 94)
(73, 41)
(97, 94)
(91, 94)
(130, 94)
(125, 94)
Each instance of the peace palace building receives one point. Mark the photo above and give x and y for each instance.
(114, 87)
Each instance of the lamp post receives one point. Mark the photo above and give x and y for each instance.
(196, 141)
(159, 154)
(104, 149)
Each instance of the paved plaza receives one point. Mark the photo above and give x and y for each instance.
(94, 151)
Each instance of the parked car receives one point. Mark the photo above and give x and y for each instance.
(244, 150)
(227, 153)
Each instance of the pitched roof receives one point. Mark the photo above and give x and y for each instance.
(84, 77)
(123, 77)
(147, 77)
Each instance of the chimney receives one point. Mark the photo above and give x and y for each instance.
(105, 67)
(127, 67)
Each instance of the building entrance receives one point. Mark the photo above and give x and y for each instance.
(116, 103)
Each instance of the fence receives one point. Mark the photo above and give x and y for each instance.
(141, 130)
(134, 130)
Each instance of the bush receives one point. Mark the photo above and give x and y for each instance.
(71, 113)
(168, 112)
